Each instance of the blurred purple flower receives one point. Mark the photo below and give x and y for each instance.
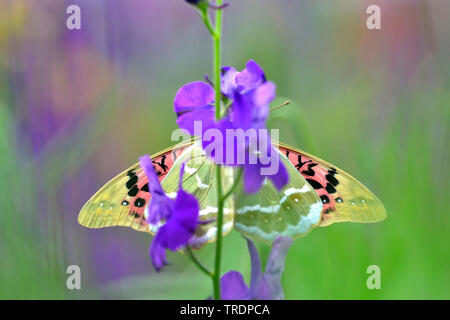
(263, 286)
(180, 216)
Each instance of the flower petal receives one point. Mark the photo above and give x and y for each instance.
(250, 78)
(281, 178)
(158, 254)
(186, 211)
(193, 102)
(161, 206)
(262, 97)
(243, 110)
(154, 185)
(177, 231)
(193, 95)
(219, 146)
(160, 209)
(253, 179)
(263, 291)
(205, 115)
(264, 94)
(275, 266)
(228, 80)
(233, 287)
(255, 263)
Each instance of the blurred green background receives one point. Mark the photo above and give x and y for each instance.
(77, 107)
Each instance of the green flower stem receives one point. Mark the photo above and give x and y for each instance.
(216, 33)
(220, 201)
(218, 256)
(207, 21)
(217, 59)
(198, 263)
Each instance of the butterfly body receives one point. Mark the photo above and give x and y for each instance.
(318, 194)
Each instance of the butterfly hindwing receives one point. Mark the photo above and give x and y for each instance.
(344, 198)
(293, 211)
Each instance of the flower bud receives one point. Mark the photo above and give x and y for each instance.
(201, 5)
(196, 2)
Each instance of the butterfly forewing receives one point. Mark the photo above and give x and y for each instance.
(293, 211)
(344, 198)
(122, 201)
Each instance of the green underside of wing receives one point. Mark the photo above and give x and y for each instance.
(293, 211)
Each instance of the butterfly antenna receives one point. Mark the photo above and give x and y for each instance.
(207, 79)
(287, 102)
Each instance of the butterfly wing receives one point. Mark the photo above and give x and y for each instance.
(320, 195)
(344, 198)
(122, 201)
(293, 211)
(199, 180)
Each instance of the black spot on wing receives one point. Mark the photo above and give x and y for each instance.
(162, 163)
(132, 181)
(300, 163)
(136, 215)
(332, 171)
(145, 188)
(330, 188)
(314, 184)
(133, 191)
(310, 172)
(139, 202)
(325, 198)
(331, 179)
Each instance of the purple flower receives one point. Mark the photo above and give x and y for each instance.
(161, 206)
(250, 95)
(180, 216)
(244, 81)
(194, 2)
(263, 286)
(204, 4)
(250, 112)
(194, 101)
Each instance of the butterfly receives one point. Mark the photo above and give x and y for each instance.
(317, 194)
